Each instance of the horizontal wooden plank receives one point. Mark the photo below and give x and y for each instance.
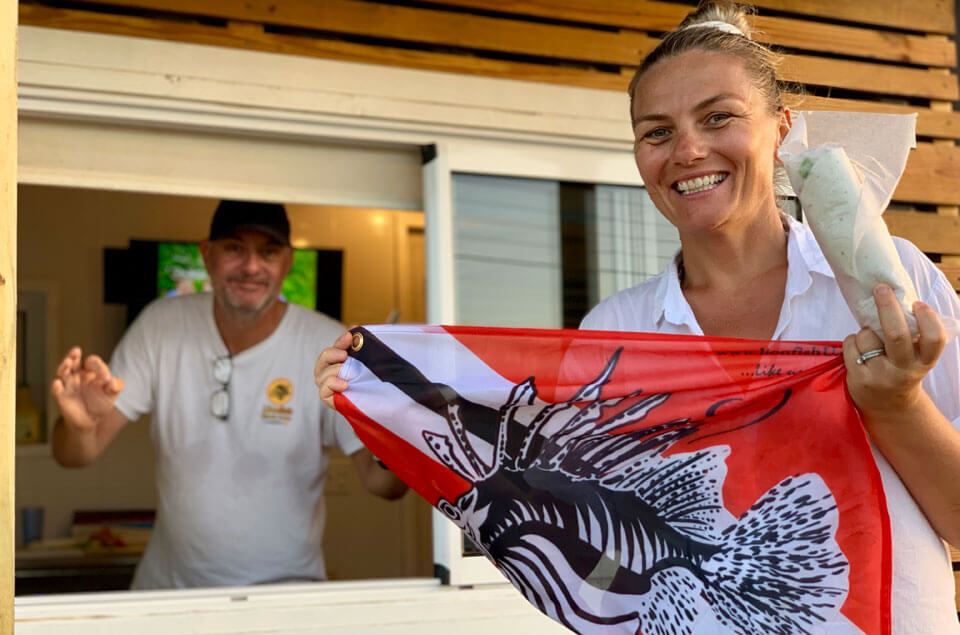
(943, 124)
(426, 26)
(635, 14)
(866, 76)
(954, 554)
(36, 15)
(490, 34)
(808, 35)
(858, 42)
(931, 232)
(930, 16)
(952, 272)
(932, 176)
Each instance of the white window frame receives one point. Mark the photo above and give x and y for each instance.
(476, 125)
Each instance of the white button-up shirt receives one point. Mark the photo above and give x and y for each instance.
(813, 309)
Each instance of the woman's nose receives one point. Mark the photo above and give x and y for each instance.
(689, 146)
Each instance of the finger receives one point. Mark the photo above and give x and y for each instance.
(113, 386)
(57, 388)
(851, 351)
(897, 340)
(318, 366)
(94, 364)
(332, 356)
(344, 341)
(866, 340)
(70, 362)
(331, 386)
(328, 371)
(933, 337)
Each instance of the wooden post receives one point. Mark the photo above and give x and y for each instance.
(8, 300)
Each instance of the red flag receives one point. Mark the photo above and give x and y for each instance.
(639, 483)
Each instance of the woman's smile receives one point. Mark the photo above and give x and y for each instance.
(697, 184)
(705, 147)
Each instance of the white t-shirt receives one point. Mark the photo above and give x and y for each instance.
(813, 309)
(239, 501)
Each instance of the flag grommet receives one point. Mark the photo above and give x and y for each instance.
(357, 342)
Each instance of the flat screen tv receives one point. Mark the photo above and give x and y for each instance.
(150, 269)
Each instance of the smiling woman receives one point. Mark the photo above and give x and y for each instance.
(708, 119)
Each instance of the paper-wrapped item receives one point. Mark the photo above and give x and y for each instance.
(844, 167)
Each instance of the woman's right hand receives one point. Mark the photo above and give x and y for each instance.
(328, 367)
(84, 389)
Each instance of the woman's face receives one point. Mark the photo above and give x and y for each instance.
(706, 141)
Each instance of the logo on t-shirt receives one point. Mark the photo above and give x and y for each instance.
(279, 392)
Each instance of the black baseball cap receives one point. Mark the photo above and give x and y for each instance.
(232, 217)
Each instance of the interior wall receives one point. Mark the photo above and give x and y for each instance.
(61, 236)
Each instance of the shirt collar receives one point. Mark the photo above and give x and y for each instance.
(673, 306)
(803, 257)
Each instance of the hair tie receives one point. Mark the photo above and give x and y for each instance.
(716, 24)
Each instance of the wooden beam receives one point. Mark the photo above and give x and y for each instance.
(8, 303)
(808, 35)
(930, 16)
(425, 26)
(932, 176)
(542, 40)
(953, 274)
(931, 232)
(866, 77)
(248, 39)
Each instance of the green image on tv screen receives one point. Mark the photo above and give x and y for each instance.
(180, 270)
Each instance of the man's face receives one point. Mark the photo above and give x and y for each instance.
(246, 270)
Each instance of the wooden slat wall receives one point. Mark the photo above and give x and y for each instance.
(882, 56)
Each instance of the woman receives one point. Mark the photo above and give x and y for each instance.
(708, 118)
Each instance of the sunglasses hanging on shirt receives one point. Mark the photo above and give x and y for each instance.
(220, 400)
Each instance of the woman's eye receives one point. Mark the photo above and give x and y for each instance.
(657, 134)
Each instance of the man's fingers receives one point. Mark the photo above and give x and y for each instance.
(329, 383)
(113, 386)
(94, 364)
(933, 336)
(330, 356)
(344, 341)
(897, 341)
(70, 362)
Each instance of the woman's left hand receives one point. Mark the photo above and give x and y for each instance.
(888, 386)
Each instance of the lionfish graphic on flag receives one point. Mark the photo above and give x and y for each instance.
(606, 494)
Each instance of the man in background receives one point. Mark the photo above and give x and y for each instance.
(238, 429)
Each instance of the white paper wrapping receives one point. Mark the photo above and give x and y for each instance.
(844, 166)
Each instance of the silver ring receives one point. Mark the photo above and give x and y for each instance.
(877, 352)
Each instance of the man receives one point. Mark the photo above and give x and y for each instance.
(238, 429)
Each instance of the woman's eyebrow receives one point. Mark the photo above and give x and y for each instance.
(706, 103)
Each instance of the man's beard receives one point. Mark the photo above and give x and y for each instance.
(247, 310)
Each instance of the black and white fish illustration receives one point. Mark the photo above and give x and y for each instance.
(603, 529)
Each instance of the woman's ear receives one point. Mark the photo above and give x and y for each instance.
(784, 128)
(786, 122)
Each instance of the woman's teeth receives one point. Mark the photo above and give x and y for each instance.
(700, 183)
